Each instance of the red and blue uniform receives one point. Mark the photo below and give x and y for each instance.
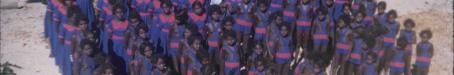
(174, 47)
(198, 20)
(370, 69)
(213, 40)
(193, 63)
(370, 11)
(303, 24)
(260, 31)
(243, 23)
(289, 14)
(339, 8)
(68, 33)
(157, 7)
(408, 34)
(118, 31)
(283, 55)
(145, 10)
(87, 65)
(357, 53)
(321, 33)
(254, 71)
(87, 9)
(355, 6)
(390, 37)
(397, 64)
(147, 66)
(165, 23)
(343, 46)
(246, 7)
(381, 18)
(51, 28)
(276, 5)
(423, 59)
(232, 62)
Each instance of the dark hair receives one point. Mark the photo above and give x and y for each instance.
(381, 3)
(193, 38)
(391, 12)
(229, 34)
(276, 14)
(141, 26)
(134, 15)
(215, 8)
(143, 46)
(117, 6)
(321, 11)
(228, 19)
(409, 21)
(85, 42)
(427, 32)
(192, 27)
(166, 2)
(197, 3)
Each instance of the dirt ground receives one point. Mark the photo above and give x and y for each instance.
(22, 41)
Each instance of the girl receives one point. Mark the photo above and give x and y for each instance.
(370, 6)
(381, 14)
(213, 29)
(86, 64)
(244, 23)
(117, 30)
(358, 48)
(88, 10)
(370, 66)
(68, 38)
(410, 35)
(189, 31)
(285, 49)
(145, 58)
(392, 27)
(320, 31)
(258, 68)
(198, 16)
(230, 53)
(160, 67)
(304, 22)
(343, 45)
(424, 53)
(398, 61)
(166, 21)
(174, 48)
(193, 64)
(262, 14)
(259, 52)
(358, 21)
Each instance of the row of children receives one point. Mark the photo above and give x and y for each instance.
(264, 37)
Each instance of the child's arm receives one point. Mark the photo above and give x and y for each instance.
(431, 50)
(418, 50)
(413, 37)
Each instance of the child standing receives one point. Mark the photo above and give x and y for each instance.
(398, 61)
(392, 27)
(304, 22)
(370, 65)
(424, 53)
(231, 55)
(117, 30)
(320, 31)
(284, 52)
(166, 22)
(198, 16)
(263, 15)
(343, 45)
(356, 56)
(213, 28)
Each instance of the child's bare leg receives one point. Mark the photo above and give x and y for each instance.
(175, 64)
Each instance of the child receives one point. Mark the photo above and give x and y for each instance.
(160, 68)
(258, 68)
(320, 31)
(198, 16)
(398, 61)
(289, 13)
(68, 39)
(145, 58)
(392, 27)
(166, 21)
(262, 14)
(174, 48)
(85, 65)
(409, 33)
(339, 7)
(358, 21)
(381, 15)
(343, 45)
(230, 53)
(259, 52)
(304, 22)
(424, 52)
(370, 65)
(145, 10)
(213, 29)
(193, 64)
(370, 6)
(190, 30)
(358, 48)
(283, 55)
(87, 9)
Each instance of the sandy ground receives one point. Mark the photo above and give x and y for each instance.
(22, 41)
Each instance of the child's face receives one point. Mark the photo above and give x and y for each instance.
(347, 9)
(370, 59)
(359, 17)
(148, 52)
(216, 15)
(134, 22)
(187, 33)
(196, 45)
(108, 72)
(119, 13)
(263, 7)
(321, 16)
(381, 9)
(408, 26)
(91, 37)
(160, 64)
(258, 49)
(284, 31)
(341, 24)
(87, 50)
(198, 9)
(229, 40)
(278, 19)
(142, 33)
(391, 18)
(228, 25)
(167, 9)
(83, 25)
(425, 37)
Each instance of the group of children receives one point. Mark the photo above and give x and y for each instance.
(235, 37)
